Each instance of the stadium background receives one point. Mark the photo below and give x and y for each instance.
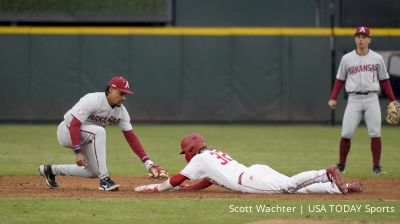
(188, 61)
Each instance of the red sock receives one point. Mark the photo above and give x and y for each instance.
(345, 144)
(376, 148)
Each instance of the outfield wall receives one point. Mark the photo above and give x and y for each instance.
(179, 74)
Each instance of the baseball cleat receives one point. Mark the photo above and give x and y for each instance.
(106, 184)
(377, 170)
(334, 176)
(50, 178)
(355, 187)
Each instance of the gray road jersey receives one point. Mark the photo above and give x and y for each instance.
(93, 108)
(362, 73)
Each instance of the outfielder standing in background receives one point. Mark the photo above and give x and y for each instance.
(82, 130)
(362, 71)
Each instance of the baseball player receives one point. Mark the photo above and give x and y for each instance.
(82, 130)
(362, 71)
(213, 166)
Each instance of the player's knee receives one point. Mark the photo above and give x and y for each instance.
(98, 130)
(374, 133)
(65, 142)
(347, 135)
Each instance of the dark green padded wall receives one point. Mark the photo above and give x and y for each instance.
(176, 78)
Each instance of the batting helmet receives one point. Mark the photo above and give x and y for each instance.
(192, 144)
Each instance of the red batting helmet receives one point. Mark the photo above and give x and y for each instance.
(192, 144)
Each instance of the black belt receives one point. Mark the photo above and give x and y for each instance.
(363, 93)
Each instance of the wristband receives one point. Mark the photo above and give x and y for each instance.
(77, 149)
(144, 159)
(148, 164)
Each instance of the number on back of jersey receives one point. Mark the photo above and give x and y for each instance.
(221, 156)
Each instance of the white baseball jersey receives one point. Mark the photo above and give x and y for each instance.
(362, 73)
(93, 108)
(218, 167)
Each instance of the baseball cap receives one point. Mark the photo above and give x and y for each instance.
(363, 30)
(121, 84)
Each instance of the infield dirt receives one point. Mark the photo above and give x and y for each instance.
(77, 187)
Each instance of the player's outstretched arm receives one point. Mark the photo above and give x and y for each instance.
(155, 171)
(204, 183)
(174, 182)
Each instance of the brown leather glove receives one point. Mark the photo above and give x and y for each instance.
(393, 112)
(157, 172)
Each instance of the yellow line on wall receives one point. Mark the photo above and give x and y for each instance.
(191, 31)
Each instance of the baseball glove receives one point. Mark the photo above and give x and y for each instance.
(157, 172)
(393, 112)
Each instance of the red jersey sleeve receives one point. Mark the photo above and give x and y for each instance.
(336, 89)
(177, 179)
(135, 145)
(387, 88)
(74, 132)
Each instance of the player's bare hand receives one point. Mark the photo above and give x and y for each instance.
(80, 159)
(332, 104)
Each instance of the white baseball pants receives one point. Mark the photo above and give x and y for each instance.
(263, 179)
(357, 106)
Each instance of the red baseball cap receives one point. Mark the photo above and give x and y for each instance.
(121, 84)
(362, 30)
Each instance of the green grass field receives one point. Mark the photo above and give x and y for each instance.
(289, 149)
